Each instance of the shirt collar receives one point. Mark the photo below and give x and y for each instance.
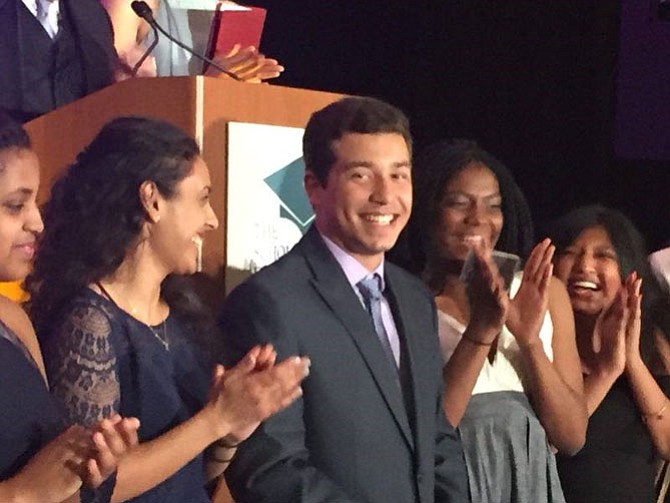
(31, 5)
(353, 269)
(52, 8)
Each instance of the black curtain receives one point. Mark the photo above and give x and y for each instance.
(533, 82)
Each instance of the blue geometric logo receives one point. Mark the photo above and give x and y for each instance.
(287, 183)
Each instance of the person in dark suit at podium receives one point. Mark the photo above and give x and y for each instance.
(52, 52)
(369, 426)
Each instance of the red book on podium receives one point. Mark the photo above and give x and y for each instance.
(235, 24)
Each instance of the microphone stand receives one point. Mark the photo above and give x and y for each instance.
(143, 10)
(137, 66)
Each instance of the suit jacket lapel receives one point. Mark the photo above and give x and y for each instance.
(332, 285)
(403, 314)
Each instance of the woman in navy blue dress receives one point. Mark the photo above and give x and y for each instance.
(120, 337)
(40, 459)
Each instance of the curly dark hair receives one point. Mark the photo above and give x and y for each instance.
(12, 134)
(631, 252)
(434, 167)
(354, 114)
(95, 216)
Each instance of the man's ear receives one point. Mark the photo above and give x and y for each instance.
(150, 200)
(313, 188)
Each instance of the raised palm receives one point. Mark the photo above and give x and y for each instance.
(529, 305)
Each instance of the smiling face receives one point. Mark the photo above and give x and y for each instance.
(183, 219)
(471, 209)
(367, 198)
(589, 268)
(20, 220)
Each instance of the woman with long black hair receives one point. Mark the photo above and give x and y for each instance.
(120, 336)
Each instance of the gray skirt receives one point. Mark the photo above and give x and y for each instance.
(506, 451)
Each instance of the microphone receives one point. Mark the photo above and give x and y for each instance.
(143, 10)
(137, 65)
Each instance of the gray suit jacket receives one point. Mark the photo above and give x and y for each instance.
(353, 436)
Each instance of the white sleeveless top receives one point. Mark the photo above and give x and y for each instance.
(504, 374)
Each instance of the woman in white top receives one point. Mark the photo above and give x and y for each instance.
(512, 377)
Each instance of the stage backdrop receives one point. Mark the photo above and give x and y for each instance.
(643, 82)
(268, 210)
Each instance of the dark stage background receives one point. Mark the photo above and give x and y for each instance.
(533, 82)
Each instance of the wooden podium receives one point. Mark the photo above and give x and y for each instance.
(201, 106)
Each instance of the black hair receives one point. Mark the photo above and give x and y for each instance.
(12, 134)
(94, 216)
(434, 168)
(348, 115)
(632, 255)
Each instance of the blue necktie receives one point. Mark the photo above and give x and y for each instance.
(370, 289)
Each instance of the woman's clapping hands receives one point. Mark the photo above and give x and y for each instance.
(257, 387)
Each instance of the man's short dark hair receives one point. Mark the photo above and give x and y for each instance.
(348, 115)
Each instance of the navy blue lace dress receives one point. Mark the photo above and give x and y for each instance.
(100, 360)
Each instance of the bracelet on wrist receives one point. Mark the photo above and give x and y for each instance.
(221, 460)
(476, 342)
(226, 443)
(655, 415)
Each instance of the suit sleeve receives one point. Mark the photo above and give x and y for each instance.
(273, 465)
(451, 477)
(450, 471)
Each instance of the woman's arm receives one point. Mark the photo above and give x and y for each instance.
(651, 400)
(462, 370)
(488, 307)
(652, 403)
(558, 386)
(56, 471)
(555, 388)
(49, 475)
(239, 399)
(88, 386)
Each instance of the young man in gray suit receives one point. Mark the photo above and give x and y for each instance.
(370, 426)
